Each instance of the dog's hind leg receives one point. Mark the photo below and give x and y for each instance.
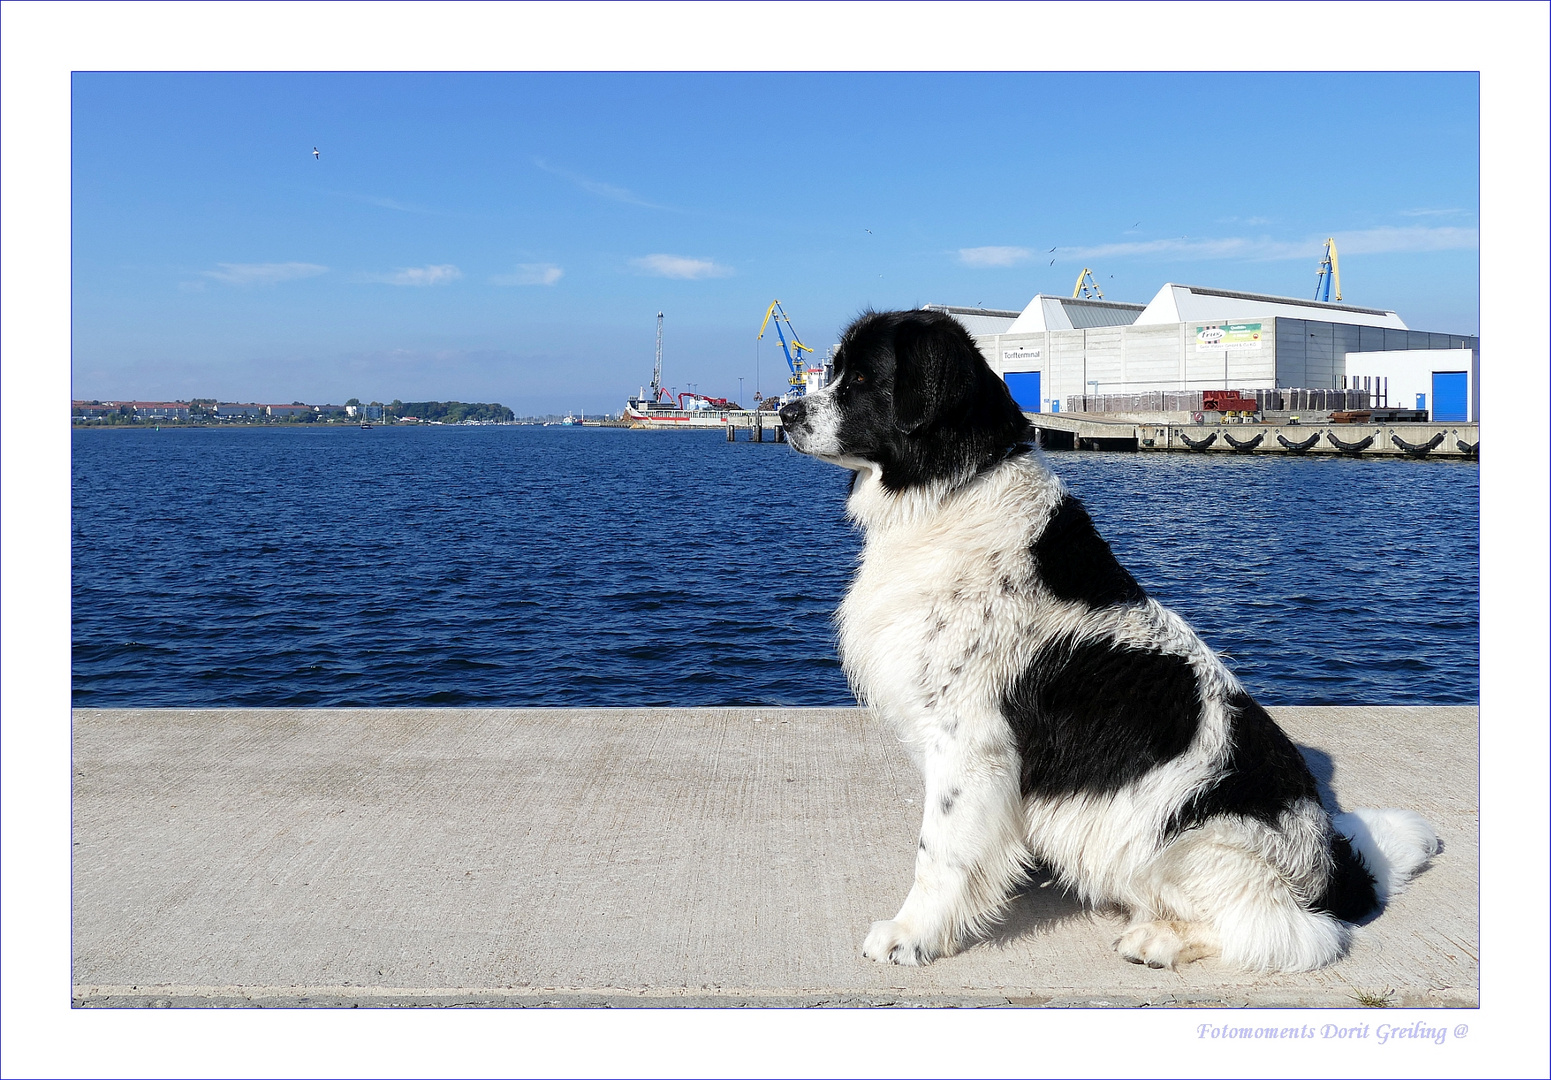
(1229, 888)
(970, 856)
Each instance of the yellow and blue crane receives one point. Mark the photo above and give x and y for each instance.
(1329, 270)
(798, 380)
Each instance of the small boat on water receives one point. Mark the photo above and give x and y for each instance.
(366, 427)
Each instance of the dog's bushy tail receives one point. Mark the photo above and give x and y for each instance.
(1392, 844)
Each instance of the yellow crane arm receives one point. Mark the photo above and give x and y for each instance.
(1335, 266)
(775, 306)
(1092, 286)
(768, 312)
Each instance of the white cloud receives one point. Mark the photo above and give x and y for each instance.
(993, 256)
(531, 274)
(1380, 241)
(678, 266)
(419, 275)
(1432, 213)
(263, 273)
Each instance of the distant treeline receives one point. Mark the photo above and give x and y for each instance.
(451, 412)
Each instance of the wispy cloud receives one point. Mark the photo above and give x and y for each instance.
(530, 274)
(994, 256)
(418, 275)
(263, 273)
(1407, 238)
(1433, 213)
(1380, 241)
(678, 266)
(603, 190)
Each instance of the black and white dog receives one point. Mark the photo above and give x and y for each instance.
(1059, 715)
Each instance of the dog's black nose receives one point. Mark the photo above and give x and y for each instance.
(792, 412)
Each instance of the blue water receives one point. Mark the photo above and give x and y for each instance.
(508, 566)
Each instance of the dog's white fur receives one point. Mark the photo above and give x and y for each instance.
(931, 637)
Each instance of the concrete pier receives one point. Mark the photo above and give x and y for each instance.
(707, 857)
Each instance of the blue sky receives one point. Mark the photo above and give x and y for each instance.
(512, 237)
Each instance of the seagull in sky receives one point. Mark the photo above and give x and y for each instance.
(1052, 249)
(315, 155)
(1134, 226)
(1052, 262)
(866, 230)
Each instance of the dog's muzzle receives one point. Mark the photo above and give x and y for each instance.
(794, 418)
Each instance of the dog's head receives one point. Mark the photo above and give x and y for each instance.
(912, 395)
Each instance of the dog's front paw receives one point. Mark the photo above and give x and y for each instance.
(1154, 944)
(1161, 944)
(891, 942)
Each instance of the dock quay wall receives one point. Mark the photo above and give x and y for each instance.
(1162, 432)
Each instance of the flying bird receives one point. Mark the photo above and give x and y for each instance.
(1052, 249)
(1134, 226)
(866, 230)
(315, 155)
(1052, 262)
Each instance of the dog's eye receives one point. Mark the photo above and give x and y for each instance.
(858, 378)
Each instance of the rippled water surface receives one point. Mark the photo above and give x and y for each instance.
(563, 567)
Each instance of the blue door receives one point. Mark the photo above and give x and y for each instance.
(1450, 396)
(1025, 389)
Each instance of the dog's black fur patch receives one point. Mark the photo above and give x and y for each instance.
(1351, 892)
(1075, 562)
(1264, 773)
(1095, 717)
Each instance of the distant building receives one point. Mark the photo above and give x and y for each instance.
(1190, 338)
(141, 410)
(282, 411)
(229, 408)
(93, 409)
(160, 410)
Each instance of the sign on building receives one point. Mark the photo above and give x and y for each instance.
(1213, 336)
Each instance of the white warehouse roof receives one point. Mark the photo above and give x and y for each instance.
(1067, 313)
(977, 320)
(1190, 303)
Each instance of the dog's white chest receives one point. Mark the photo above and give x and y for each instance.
(929, 629)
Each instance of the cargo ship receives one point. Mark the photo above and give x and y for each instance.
(689, 410)
(655, 407)
(661, 409)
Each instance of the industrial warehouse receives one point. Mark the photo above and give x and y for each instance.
(1089, 354)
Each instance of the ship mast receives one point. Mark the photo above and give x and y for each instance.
(657, 370)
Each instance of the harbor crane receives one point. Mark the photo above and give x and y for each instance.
(1329, 270)
(658, 391)
(1087, 287)
(798, 380)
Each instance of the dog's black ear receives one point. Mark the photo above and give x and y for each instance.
(932, 374)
